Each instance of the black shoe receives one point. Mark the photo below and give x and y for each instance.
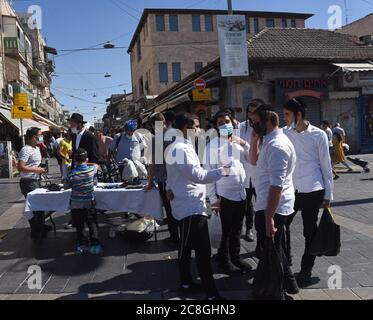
(229, 268)
(291, 286)
(242, 265)
(216, 298)
(336, 177)
(249, 236)
(190, 288)
(304, 278)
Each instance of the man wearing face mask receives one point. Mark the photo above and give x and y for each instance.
(228, 196)
(127, 145)
(83, 138)
(313, 177)
(275, 164)
(30, 171)
(245, 134)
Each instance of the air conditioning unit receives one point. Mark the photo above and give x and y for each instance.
(10, 90)
(368, 39)
(349, 79)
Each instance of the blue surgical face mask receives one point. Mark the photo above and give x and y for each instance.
(39, 139)
(226, 130)
(293, 125)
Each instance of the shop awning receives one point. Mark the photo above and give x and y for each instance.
(26, 123)
(355, 67)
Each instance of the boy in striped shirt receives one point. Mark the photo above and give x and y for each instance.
(81, 181)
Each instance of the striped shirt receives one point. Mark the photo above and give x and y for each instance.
(32, 157)
(81, 180)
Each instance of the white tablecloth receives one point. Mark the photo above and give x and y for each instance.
(139, 201)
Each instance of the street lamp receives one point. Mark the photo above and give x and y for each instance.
(109, 45)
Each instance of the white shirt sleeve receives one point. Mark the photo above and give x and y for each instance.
(278, 161)
(326, 167)
(23, 155)
(210, 164)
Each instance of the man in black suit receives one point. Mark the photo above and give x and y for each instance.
(83, 138)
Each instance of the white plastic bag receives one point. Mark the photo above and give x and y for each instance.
(141, 170)
(129, 170)
(215, 230)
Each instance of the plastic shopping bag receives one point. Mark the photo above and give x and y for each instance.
(129, 170)
(327, 241)
(215, 230)
(141, 170)
(269, 275)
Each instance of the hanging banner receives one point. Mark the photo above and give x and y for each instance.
(233, 45)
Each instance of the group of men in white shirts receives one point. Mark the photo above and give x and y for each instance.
(286, 169)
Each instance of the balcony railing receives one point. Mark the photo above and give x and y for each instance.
(14, 47)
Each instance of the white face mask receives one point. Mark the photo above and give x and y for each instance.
(74, 130)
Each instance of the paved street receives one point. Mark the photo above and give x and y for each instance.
(149, 271)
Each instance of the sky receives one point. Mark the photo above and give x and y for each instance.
(74, 24)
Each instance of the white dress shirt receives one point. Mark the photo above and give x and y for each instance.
(329, 134)
(314, 170)
(78, 138)
(275, 167)
(245, 134)
(220, 152)
(187, 180)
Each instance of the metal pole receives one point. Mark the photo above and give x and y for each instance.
(228, 98)
(23, 137)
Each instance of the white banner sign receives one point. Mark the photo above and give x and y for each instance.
(233, 46)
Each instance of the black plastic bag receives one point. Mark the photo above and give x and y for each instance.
(269, 275)
(327, 241)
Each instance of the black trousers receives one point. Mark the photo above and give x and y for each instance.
(171, 221)
(309, 204)
(80, 217)
(249, 214)
(194, 235)
(27, 186)
(280, 222)
(231, 215)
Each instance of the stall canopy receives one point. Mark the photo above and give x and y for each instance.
(27, 123)
(355, 67)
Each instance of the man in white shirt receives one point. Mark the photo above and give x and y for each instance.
(313, 177)
(329, 133)
(245, 134)
(228, 196)
(275, 164)
(187, 193)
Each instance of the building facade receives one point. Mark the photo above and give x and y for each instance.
(170, 44)
(361, 27)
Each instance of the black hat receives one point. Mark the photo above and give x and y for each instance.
(77, 117)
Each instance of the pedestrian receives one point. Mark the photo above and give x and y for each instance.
(103, 144)
(327, 128)
(275, 164)
(338, 129)
(228, 196)
(65, 150)
(83, 138)
(313, 178)
(187, 193)
(245, 134)
(338, 153)
(81, 181)
(157, 172)
(29, 166)
(127, 145)
(170, 119)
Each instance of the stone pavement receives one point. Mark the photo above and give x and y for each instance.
(149, 271)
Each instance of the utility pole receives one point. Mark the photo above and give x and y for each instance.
(228, 98)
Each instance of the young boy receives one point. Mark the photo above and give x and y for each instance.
(81, 180)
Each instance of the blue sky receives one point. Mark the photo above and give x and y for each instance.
(70, 24)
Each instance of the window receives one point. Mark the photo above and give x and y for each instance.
(196, 23)
(174, 24)
(284, 23)
(256, 25)
(138, 46)
(163, 72)
(247, 25)
(141, 86)
(176, 72)
(198, 66)
(209, 24)
(270, 23)
(293, 23)
(159, 20)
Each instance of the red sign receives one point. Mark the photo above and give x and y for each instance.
(200, 84)
(303, 83)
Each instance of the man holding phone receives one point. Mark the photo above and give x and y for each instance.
(29, 166)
